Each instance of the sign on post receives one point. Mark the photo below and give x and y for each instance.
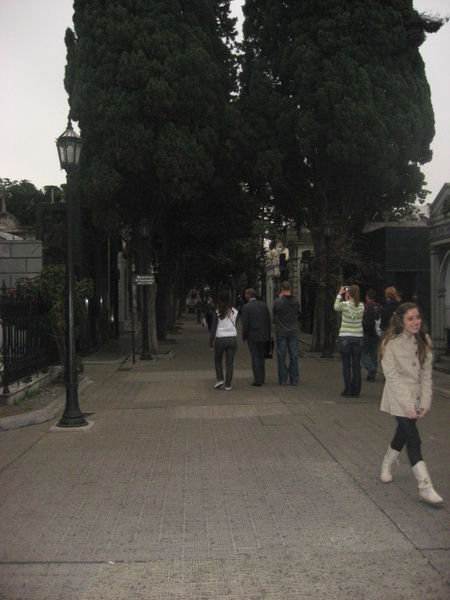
(145, 279)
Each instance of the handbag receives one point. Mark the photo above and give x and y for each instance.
(268, 348)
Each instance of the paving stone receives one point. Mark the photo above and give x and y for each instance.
(179, 491)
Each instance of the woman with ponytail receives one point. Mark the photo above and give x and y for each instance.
(223, 340)
(406, 358)
(351, 337)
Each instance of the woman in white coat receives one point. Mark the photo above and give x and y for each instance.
(405, 353)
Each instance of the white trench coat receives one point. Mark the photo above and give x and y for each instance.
(407, 386)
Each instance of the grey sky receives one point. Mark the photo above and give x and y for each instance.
(33, 102)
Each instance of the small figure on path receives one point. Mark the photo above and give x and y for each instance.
(393, 300)
(372, 314)
(256, 325)
(223, 340)
(285, 312)
(350, 338)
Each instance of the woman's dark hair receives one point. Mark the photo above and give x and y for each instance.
(391, 293)
(224, 305)
(396, 328)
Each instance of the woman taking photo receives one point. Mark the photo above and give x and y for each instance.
(405, 353)
(350, 338)
(223, 339)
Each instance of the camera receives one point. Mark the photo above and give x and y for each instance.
(346, 288)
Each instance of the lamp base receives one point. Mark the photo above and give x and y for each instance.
(58, 428)
(72, 421)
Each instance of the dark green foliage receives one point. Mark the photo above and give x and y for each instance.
(21, 200)
(50, 290)
(339, 105)
(151, 84)
(148, 82)
(339, 117)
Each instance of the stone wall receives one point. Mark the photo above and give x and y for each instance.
(19, 258)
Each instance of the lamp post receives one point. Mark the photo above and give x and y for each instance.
(326, 352)
(69, 148)
(144, 233)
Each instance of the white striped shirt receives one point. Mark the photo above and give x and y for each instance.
(351, 324)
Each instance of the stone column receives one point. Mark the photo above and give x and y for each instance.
(437, 303)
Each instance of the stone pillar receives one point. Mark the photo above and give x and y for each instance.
(438, 332)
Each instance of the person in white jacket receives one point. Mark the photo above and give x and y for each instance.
(223, 340)
(406, 358)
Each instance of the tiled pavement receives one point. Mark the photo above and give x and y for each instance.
(179, 491)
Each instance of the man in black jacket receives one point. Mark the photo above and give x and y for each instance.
(256, 332)
(285, 312)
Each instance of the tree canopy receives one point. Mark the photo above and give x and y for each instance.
(339, 105)
(339, 116)
(149, 83)
(22, 198)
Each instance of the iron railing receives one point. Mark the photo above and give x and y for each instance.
(25, 345)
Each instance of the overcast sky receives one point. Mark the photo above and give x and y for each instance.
(34, 108)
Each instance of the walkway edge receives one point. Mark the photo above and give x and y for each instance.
(34, 417)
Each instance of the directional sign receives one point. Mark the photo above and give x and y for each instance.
(145, 279)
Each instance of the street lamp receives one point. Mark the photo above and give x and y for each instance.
(144, 233)
(69, 148)
(326, 352)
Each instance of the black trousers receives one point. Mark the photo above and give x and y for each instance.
(258, 364)
(227, 346)
(407, 433)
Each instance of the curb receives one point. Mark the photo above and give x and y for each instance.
(33, 417)
(40, 415)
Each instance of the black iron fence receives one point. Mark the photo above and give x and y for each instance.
(25, 345)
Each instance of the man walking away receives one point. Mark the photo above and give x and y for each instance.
(256, 332)
(372, 312)
(285, 313)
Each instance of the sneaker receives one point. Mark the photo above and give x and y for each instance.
(227, 389)
(218, 384)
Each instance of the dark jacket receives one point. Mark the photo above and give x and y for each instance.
(255, 321)
(285, 313)
(387, 313)
(372, 312)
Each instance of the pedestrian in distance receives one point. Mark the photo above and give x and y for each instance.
(406, 358)
(369, 356)
(392, 300)
(285, 313)
(209, 312)
(350, 338)
(256, 329)
(223, 340)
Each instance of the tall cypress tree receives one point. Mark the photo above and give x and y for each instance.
(339, 107)
(149, 82)
(146, 83)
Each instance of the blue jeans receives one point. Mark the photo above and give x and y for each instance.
(287, 342)
(369, 359)
(350, 348)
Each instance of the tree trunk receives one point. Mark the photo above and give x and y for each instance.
(327, 273)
